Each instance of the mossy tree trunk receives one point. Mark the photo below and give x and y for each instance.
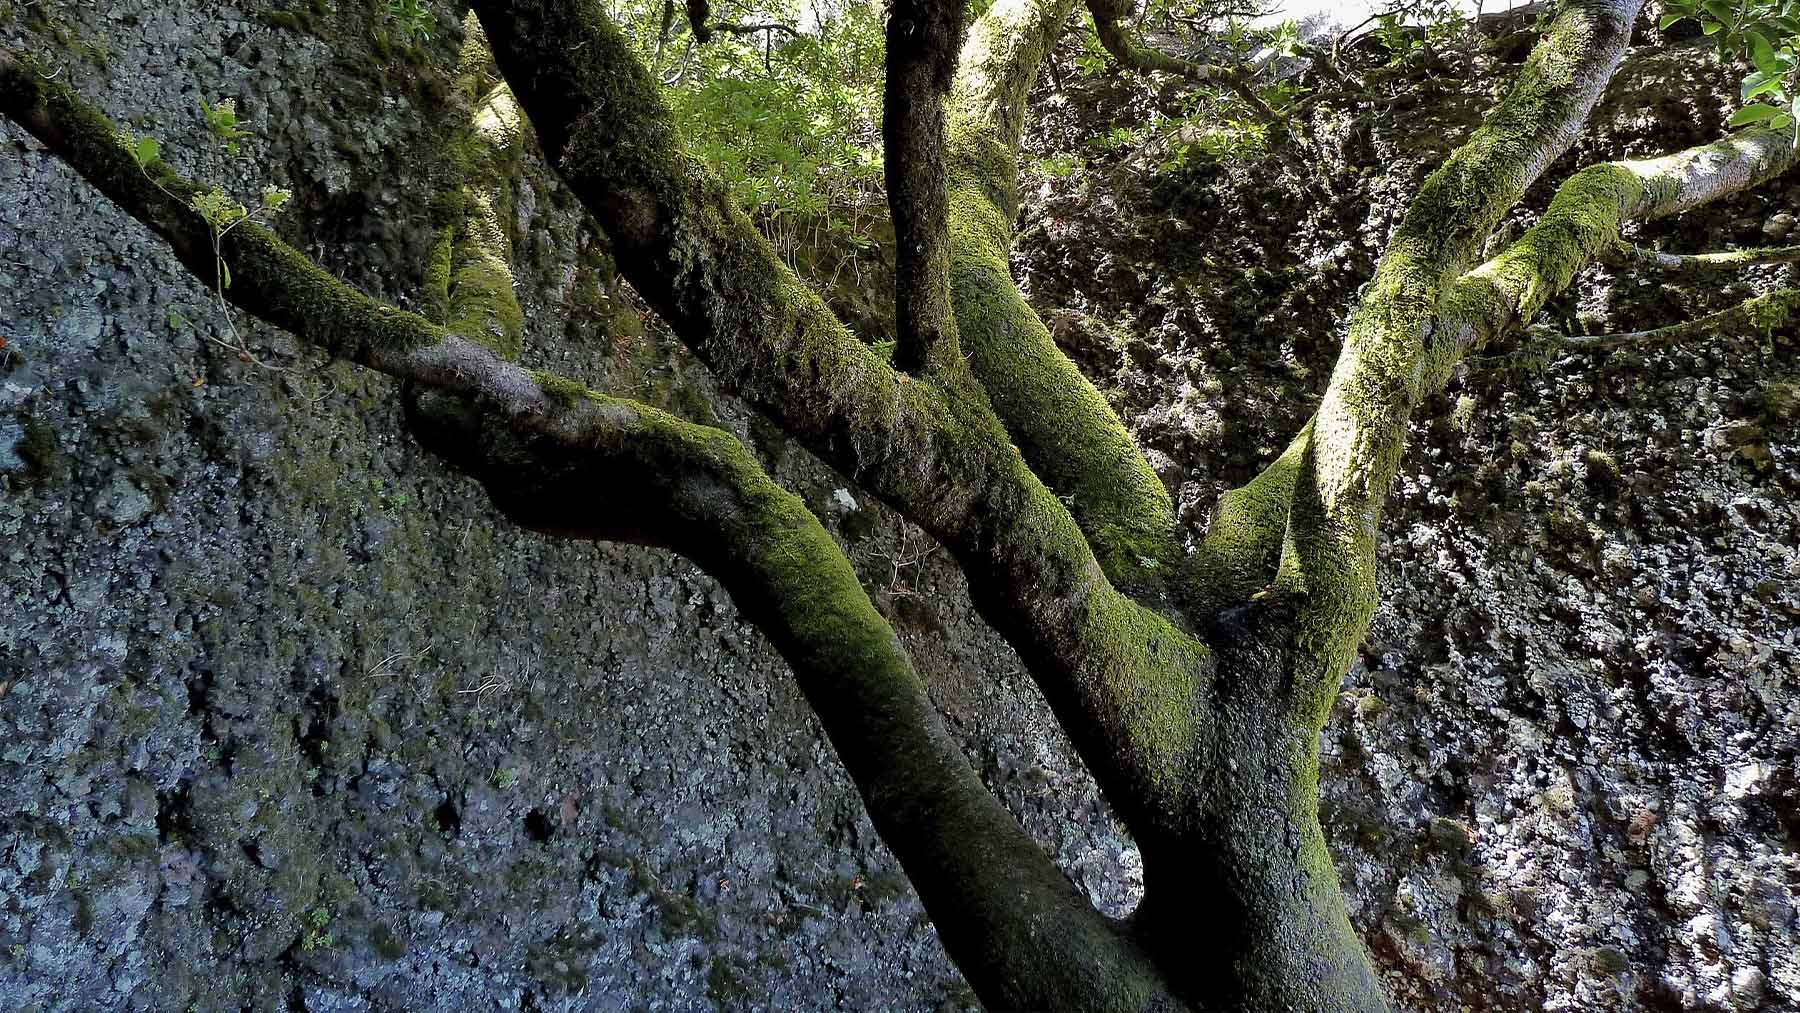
(1193, 670)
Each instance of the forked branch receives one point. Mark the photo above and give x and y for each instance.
(1583, 223)
(1121, 678)
(1353, 449)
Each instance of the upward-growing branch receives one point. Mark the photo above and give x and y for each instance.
(1062, 425)
(1353, 452)
(923, 37)
(469, 284)
(1125, 682)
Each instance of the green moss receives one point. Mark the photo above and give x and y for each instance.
(1154, 672)
(1781, 400)
(560, 389)
(41, 450)
(389, 944)
(469, 279)
(1061, 424)
(1238, 556)
(725, 984)
(1770, 313)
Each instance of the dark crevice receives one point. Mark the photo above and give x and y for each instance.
(537, 826)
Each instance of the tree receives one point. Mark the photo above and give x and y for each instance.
(1193, 669)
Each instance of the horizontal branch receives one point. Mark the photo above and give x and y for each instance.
(1759, 314)
(699, 21)
(1583, 223)
(1625, 253)
(561, 459)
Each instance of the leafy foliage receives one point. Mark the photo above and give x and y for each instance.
(412, 19)
(222, 123)
(791, 119)
(1422, 28)
(1766, 35)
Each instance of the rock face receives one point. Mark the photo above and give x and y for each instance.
(289, 718)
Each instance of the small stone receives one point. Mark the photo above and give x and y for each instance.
(10, 437)
(1748, 985)
(122, 503)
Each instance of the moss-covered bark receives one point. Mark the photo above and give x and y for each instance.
(1206, 742)
(923, 37)
(1583, 222)
(1061, 423)
(613, 470)
(469, 280)
(1328, 560)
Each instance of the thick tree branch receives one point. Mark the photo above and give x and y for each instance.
(1123, 680)
(561, 459)
(1062, 425)
(1328, 559)
(1583, 223)
(923, 37)
(469, 284)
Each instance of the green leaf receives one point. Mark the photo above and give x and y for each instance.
(1710, 27)
(224, 275)
(1763, 55)
(1759, 83)
(1670, 19)
(146, 151)
(1753, 114)
(1720, 11)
